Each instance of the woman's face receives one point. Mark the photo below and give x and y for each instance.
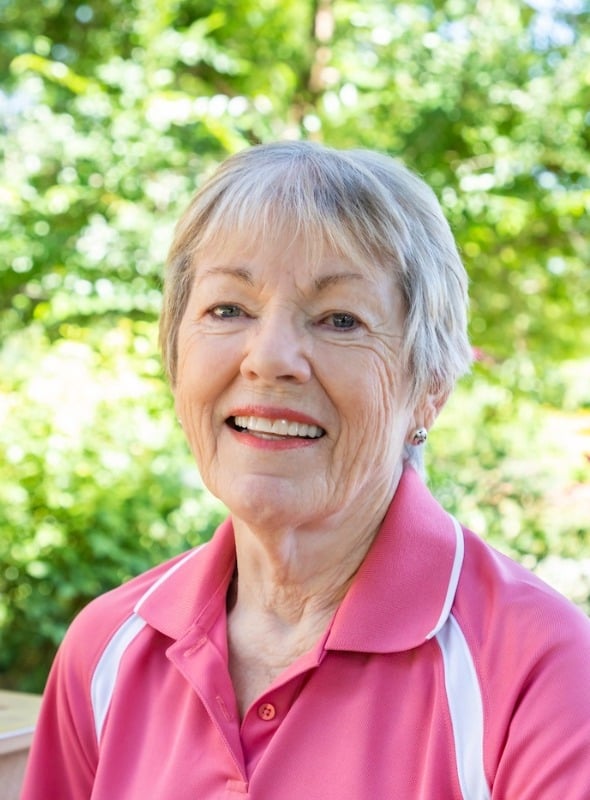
(289, 385)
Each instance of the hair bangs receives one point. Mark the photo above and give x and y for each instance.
(304, 200)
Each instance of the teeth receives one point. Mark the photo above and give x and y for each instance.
(278, 427)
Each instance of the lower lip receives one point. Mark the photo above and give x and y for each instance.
(260, 443)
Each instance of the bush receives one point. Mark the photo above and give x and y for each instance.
(96, 484)
(517, 471)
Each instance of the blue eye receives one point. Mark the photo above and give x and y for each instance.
(226, 311)
(342, 321)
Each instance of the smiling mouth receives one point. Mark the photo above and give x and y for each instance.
(275, 428)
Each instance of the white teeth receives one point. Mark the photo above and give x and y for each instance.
(278, 427)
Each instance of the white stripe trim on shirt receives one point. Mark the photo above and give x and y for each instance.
(103, 681)
(102, 685)
(453, 580)
(466, 709)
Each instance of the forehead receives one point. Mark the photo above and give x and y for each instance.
(314, 254)
(287, 263)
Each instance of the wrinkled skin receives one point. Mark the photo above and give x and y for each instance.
(267, 330)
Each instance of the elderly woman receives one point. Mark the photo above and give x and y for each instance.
(341, 637)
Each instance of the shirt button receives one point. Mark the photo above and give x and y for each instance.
(267, 711)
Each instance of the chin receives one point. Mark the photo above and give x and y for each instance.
(266, 502)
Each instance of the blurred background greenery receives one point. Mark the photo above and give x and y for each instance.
(111, 113)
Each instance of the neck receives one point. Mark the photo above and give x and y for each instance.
(288, 585)
(292, 571)
(282, 599)
(301, 572)
(292, 575)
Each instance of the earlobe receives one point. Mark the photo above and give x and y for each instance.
(434, 405)
(425, 416)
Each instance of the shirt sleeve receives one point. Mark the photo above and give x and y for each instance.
(545, 711)
(63, 755)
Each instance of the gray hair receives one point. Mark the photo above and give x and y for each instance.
(355, 203)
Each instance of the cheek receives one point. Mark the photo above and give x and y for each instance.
(376, 387)
(375, 414)
(200, 382)
(205, 365)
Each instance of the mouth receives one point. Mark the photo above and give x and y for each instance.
(275, 428)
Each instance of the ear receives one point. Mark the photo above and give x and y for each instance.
(427, 410)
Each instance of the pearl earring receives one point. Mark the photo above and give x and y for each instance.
(420, 436)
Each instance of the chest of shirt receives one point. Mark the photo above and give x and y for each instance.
(353, 726)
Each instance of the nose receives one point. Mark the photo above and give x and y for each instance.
(277, 350)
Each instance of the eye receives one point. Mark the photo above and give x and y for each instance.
(226, 311)
(341, 321)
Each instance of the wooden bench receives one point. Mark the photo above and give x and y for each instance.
(18, 715)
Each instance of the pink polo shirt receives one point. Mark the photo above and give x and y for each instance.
(447, 672)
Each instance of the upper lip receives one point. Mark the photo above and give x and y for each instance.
(274, 412)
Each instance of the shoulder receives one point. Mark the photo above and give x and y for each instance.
(515, 623)
(497, 595)
(530, 646)
(530, 650)
(97, 623)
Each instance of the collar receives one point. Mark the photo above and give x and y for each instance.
(404, 589)
(401, 596)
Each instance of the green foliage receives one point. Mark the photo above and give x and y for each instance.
(96, 484)
(112, 112)
(505, 466)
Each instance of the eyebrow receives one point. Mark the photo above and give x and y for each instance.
(334, 278)
(241, 273)
(319, 284)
